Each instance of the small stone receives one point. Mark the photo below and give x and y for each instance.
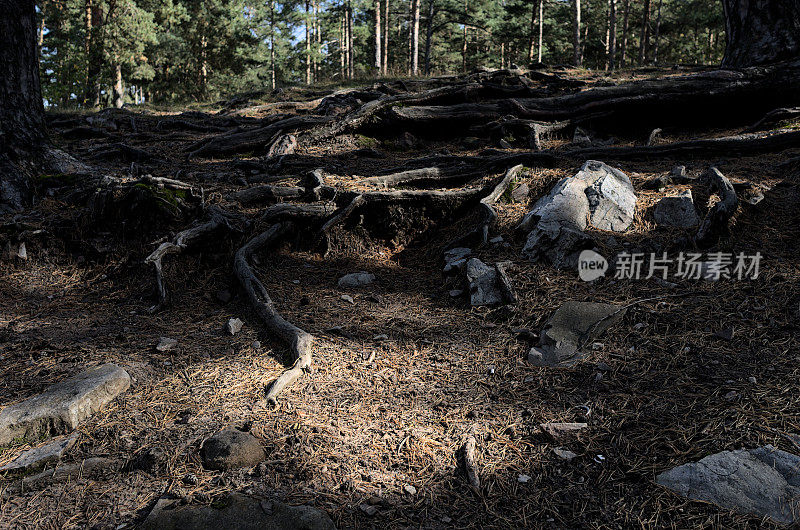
(347, 298)
(523, 479)
(22, 252)
(234, 326)
(166, 344)
(520, 193)
(411, 490)
(732, 395)
(256, 345)
(356, 279)
(495, 240)
(564, 454)
(676, 211)
(455, 293)
(603, 367)
(381, 337)
(598, 377)
(148, 460)
(490, 370)
(190, 479)
(296, 282)
(368, 509)
(558, 430)
(597, 346)
(639, 326)
(751, 380)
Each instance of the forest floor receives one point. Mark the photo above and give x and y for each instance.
(666, 386)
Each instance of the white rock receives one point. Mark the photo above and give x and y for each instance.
(523, 479)
(234, 326)
(564, 454)
(166, 344)
(347, 298)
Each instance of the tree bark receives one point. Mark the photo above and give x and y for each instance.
(119, 87)
(415, 38)
(378, 36)
(21, 112)
(645, 35)
(429, 37)
(577, 57)
(541, 27)
(624, 32)
(612, 34)
(761, 31)
(308, 45)
(658, 32)
(386, 36)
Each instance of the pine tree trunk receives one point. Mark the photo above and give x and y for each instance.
(272, 43)
(415, 39)
(577, 57)
(658, 33)
(532, 37)
(624, 33)
(464, 41)
(645, 35)
(378, 36)
(386, 36)
(119, 87)
(541, 28)
(761, 31)
(308, 45)
(350, 45)
(612, 34)
(22, 134)
(428, 37)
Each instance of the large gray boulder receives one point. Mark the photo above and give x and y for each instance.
(231, 449)
(572, 326)
(37, 457)
(677, 211)
(60, 408)
(236, 512)
(763, 481)
(598, 195)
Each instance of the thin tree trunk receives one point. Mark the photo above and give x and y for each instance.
(464, 40)
(612, 34)
(317, 40)
(386, 37)
(415, 40)
(378, 41)
(272, 43)
(577, 57)
(658, 33)
(350, 51)
(343, 44)
(541, 28)
(308, 45)
(203, 66)
(645, 34)
(624, 32)
(531, 36)
(119, 87)
(428, 37)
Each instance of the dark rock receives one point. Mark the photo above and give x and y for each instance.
(677, 211)
(236, 512)
(487, 285)
(356, 279)
(520, 193)
(150, 460)
(231, 449)
(572, 326)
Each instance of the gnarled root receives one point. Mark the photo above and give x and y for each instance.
(298, 340)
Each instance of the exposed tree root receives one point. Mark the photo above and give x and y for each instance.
(716, 222)
(217, 218)
(298, 340)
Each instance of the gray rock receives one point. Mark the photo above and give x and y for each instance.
(356, 279)
(520, 193)
(557, 430)
(456, 254)
(347, 298)
(234, 326)
(150, 460)
(763, 481)
(231, 449)
(488, 285)
(454, 266)
(564, 454)
(598, 195)
(569, 328)
(678, 172)
(60, 408)
(166, 344)
(37, 457)
(236, 512)
(677, 211)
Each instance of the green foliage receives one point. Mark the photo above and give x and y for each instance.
(201, 50)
